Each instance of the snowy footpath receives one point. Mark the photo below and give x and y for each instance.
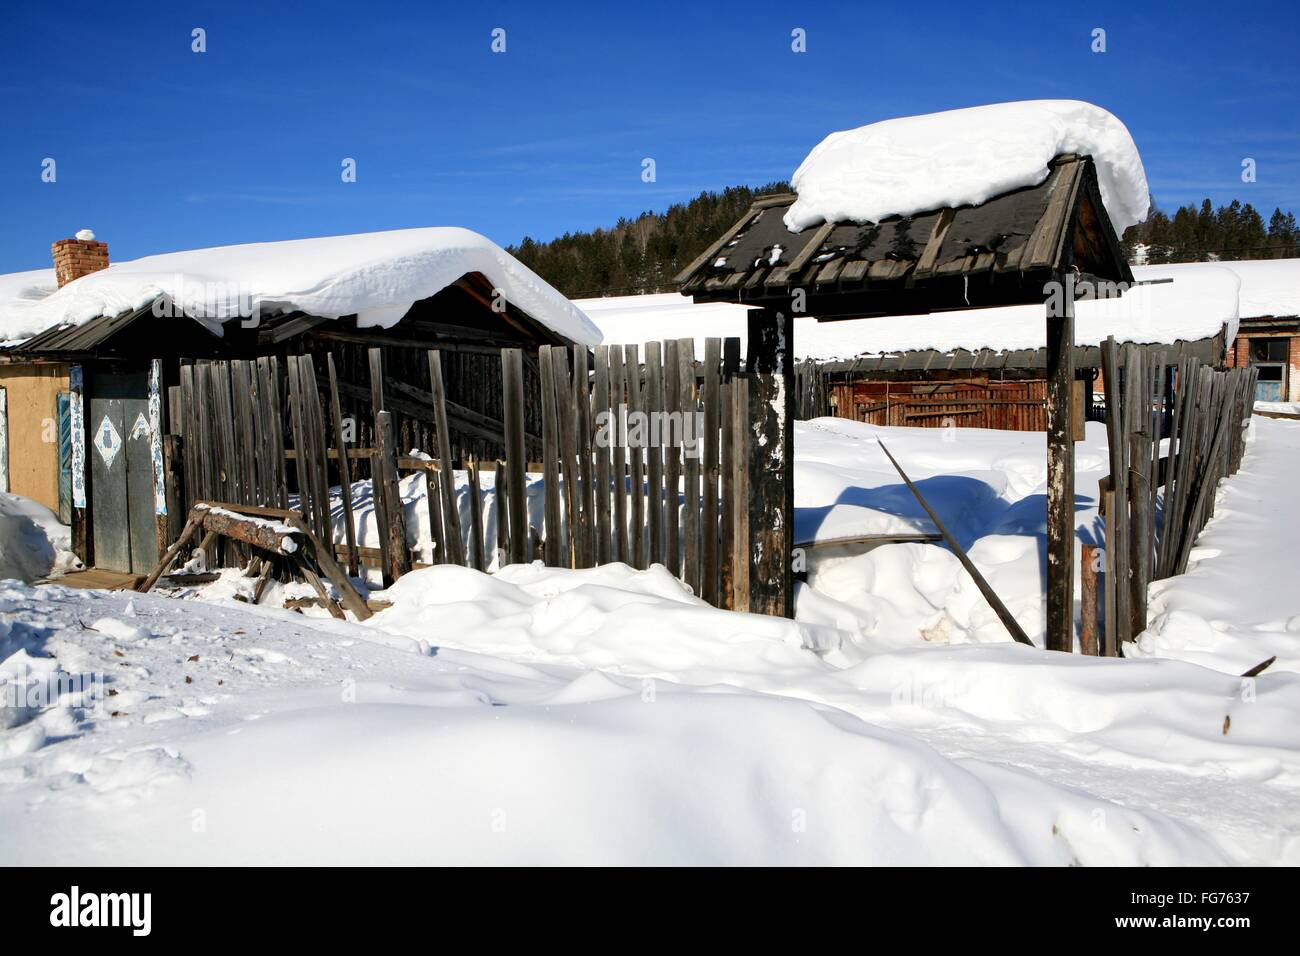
(607, 716)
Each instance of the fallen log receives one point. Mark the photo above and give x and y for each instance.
(266, 533)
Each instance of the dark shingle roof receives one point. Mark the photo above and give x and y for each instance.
(999, 252)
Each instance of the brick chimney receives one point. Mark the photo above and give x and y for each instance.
(74, 258)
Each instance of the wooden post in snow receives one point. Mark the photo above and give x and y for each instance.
(1060, 467)
(1090, 565)
(771, 461)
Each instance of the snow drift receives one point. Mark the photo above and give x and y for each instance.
(32, 541)
(618, 720)
(913, 164)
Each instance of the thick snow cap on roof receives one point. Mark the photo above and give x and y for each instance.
(377, 276)
(912, 164)
(1268, 286)
(19, 292)
(1199, 303)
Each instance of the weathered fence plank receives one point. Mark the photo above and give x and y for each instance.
(447, 476)
(712, 400)
(742, 559)
(552, 542)
(477, 559)
(512, 368)
(345, 470)
(636, 481)
(399, 558)
(654, 398)
(582, 403)
(672, 461)
(600, 407)
(691, 463)
(618, 471)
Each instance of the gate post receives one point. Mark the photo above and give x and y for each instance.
(770, 363)
(1060, 467)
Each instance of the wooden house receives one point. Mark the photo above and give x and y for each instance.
(1269, 334)
(105, 373)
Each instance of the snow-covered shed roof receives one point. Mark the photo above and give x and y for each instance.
(19, 291)
(1199, 303)
(375, 276)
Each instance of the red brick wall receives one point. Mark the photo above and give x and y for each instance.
(1293, 373)
(74, 258)
(1239, 354)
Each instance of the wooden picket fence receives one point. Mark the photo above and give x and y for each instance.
(257, 433)
(1203, 413)
(645, 456)
(645, 461)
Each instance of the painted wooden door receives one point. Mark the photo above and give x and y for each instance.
(121, 487)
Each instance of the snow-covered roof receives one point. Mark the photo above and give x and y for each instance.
(377, 276)
(1198, 304)
(903, 166)
(19, 291)
(1268, 286)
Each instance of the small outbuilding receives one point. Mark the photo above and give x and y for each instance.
(88, 366)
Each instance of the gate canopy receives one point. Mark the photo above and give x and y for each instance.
(999, 252)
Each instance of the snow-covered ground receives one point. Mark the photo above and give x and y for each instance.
(1279, 408)
(1237, 604)
(543, 715)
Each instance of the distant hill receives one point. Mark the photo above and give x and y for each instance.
(643, 254)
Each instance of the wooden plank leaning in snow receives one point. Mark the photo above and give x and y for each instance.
(1012, 625)
(345, 472)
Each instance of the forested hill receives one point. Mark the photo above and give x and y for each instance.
(1203, 233)
(643, 254)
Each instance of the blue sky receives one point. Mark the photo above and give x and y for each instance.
(159, 148)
